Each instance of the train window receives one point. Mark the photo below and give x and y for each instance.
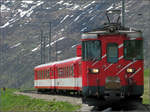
(39, 74)
(63, 75)
(69, 71)
(112, 52)
(80, 68)
(43, 74)
(60, 72)
(52, 72)
(72, 69)
(66, 72)
(63, 71)
(91, 50)
(133, 49)
(48, 73)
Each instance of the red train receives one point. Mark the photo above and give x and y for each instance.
(109, 62)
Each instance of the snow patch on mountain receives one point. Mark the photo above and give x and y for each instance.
(52, 43)
(74, 7)
(88, 4)
(3, 8)
(77, 18)
(22, 13)
(27, 1)
(64, 18)
(58, 52)
(60, 2)
(16, 45)
(37, 48)
(110, 7)
(84, 29)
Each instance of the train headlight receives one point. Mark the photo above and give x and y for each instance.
(130, 70)
(94, 70)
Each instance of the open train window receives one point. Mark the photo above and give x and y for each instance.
(91, 50)
(112, 53)
(133, 49)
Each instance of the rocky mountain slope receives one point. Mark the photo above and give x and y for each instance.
(22, 23)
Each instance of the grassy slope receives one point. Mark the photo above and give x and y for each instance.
(11, 102)
(146, 96)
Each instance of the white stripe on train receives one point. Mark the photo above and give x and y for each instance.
(62, 82)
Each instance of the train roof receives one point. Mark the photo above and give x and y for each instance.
(59, 62)
(112, 29)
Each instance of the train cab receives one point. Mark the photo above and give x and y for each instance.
(112, 63)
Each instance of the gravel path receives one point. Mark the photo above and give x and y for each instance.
(72, 100)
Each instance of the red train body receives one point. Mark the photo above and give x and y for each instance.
(111, 62)
(63, 75)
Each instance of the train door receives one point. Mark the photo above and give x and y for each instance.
(112, 62)
(77, 75)
(52, 77)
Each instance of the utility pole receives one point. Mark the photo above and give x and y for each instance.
(123, 13)
(56, 50)
(49, 41)
(41, 46)
(45, 38)
(44, 45)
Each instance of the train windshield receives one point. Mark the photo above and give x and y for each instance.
(112, 52)
(91, 50)
(133, 49)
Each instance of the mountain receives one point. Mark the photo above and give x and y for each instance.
(23, 22)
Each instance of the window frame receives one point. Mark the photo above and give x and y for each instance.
(113, 43)
(84, 55)
(125, 56)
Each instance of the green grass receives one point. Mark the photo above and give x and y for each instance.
(12, 102)
(146, 96)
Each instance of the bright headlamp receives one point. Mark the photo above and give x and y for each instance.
(94, 70)
(130, 70)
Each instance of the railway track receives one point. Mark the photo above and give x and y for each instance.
(109, 106)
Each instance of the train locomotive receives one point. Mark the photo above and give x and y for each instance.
(109, 62)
